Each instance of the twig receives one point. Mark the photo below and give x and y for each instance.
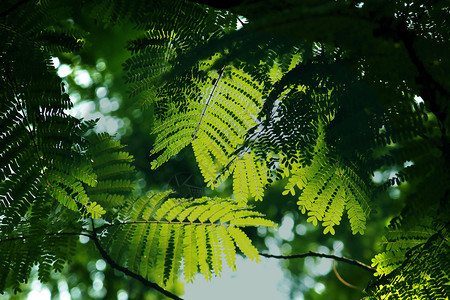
(343, 281)
(126, 271)
(429, 85)
(242, 22)
(9, 10)
(315, 254)
(339, 276)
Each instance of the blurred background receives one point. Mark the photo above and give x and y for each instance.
(96, 87)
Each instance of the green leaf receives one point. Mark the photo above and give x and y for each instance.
(160, 233)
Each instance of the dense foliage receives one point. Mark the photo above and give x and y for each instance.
(311, 97)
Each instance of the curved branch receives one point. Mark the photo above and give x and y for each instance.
(343, 281)
(315, 254)
(429, 85)
(126, 271)
(12, 8)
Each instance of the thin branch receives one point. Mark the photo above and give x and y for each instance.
(337, 273)
(429, 85)
(343, 281)
(242, 22)
(12, 8)
(126, 271)
(315, 254)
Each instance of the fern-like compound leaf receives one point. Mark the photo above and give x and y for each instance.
(113, 170)
(43, 240)
(43, 147)
(214, 123)
(328, 186)
(173, 231)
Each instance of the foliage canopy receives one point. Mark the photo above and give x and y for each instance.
(315, 96)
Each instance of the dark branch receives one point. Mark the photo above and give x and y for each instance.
(430, 90)
(12, 8)
(126, 271)
(315, 254)
(429, 86)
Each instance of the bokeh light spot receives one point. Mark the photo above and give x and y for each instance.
(285, 230)
(75, 292)
(101, 92)
(64, 70)
(319, 288)
(394, 193)
(101, 65)
(84, 239)
(56, 62)
(82, 78)
(100, 264)
(122, 295)
(300, 229)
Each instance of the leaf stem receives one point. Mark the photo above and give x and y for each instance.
(164, 222)
(211, 94)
